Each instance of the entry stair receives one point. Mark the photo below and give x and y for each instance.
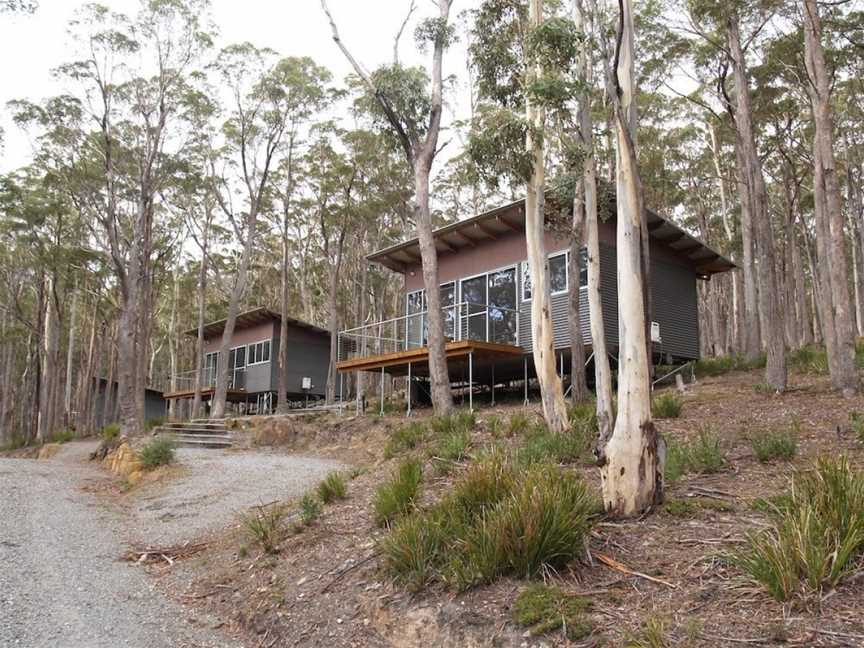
(197, 433)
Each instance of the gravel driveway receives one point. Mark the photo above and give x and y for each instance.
(61, 584)
(215, 486)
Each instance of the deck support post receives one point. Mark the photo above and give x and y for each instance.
(408, 391)
(382, 391)
(493, 383)
(341, 385)
(562, 365)
(525, 379)
(471, 380)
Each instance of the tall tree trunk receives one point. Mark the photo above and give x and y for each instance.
(763, 236)
(333, 308)
(201, 299)
(829, 212)
(752, 338)
(70, 356)
(542, 334)
(282, 369)
(632, 475)
(172, 348)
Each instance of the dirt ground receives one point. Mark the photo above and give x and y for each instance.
(325, 587)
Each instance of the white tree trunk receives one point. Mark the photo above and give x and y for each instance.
(632, 477)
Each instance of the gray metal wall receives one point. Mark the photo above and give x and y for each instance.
(308, 355)
(673, 291)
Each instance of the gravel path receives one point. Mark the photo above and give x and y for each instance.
(61, 584)
(215, 487)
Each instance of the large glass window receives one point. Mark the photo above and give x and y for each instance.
(417, 325)
(414, 323)
(259, 352)
(474, 300)
(502, 306)
(558, 275)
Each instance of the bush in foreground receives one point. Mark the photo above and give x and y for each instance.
(499, 519)
(111, 431)
(159, 452)
(702, 455)
(774, 444)
(333, 487)
(816, 538)
(666, 405)
(396, 497)
(264, 525)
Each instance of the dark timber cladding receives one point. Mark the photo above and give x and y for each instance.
(495, 240)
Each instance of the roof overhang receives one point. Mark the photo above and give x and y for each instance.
(252, 318)
(508, 218)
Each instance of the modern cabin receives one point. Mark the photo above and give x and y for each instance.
(253, 362)
(486, 297)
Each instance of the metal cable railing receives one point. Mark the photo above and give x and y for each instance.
(185, 380)
(462, 321)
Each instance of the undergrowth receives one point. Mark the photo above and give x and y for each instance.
(666, 405)
(263, 524)
(543, 609)
(64, 436)
(111, 431)
(719, 365)
(332, 487)
(775, 444)
(702, 455)
(395, 497)
(159, 452)
(498, 519)
(815, 539)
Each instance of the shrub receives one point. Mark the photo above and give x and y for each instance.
(856, 422)
(519, 422)
(542, 609)
(396, 497)
(310, 509)
(333, 487)
(810, 359)
(497, 520)
(16, 442)
(719, 365)
(494, 425)
(583, 415)
(701, 455)
(406, 437)
(651, 635)
(149, 424)
(264, 525)
(666, 405)
(541, 445)
(159, 452)
(64, 436)
(450, 449)
(111, 431)
(774, 444)
(815, 540)
(459, 422)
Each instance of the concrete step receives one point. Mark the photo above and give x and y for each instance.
(193, 430)
(194, 425)
(201, 442)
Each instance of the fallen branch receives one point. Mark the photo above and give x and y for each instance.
(832, 633)
(754, 640)
(348, 569)
(624, 569)
(143, 555)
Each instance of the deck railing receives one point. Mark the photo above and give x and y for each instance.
(462, 321)
(185, 381)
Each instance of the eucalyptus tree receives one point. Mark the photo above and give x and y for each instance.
(633, 458)
(412, 106)
(838, 324)
(523, 56)
(265, 101)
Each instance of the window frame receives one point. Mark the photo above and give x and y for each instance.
(524, 271)
(251, 352)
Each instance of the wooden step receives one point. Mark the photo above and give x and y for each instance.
(201, 442)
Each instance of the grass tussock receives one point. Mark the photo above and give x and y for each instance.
(544, 609)
(815, 539)
(64, 436)
(309, 510)
(543, 446)
(769, 445)
(518, 423)
(688, 508)
(111, 431)
(719, 365)
(332, 488)
(396, 497)
(263, 525)
(500, 518)
(666, 405)
(811, 359)
(856, 422)
(702, 455)
(404, 438)
(454, 427)
(651, 635)
(159, 452)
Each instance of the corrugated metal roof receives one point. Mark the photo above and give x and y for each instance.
(253, 318)
(511, 217)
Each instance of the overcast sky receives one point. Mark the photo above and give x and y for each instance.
(31, 46)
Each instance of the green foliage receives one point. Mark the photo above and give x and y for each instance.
(264, 525)
(496, 146)
(333, 487)
(817, 536)
(498, 519)
(405, 437)
(701, 455)
(719, 365)
(666, 405)
(543, 609)
(451, 448)
(810, 359)
(459, 421)
(16, 442)
(406, 91)
(496, 51)
(64, 436)
(520, 422)
(651, 635)
(775, 444)
(856, 422)
(310, 509)
(111, 431)
(543, 446)
(149, 424)
(435, 31)
(774, 504)
(396, 497)
(159, 452)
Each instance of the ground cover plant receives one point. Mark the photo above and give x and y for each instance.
(543, 609)
(781, 443)
(158, 452)
(264, 525)
(666, 405)
(816, 538)
(701, 455)
(332, 487)
(396, 496)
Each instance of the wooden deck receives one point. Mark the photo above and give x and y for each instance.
(232, 395)
(397, 363)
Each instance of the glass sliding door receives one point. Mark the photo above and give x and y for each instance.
(502, 315)
(474, 300)
(414, 325)
(448, 310)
